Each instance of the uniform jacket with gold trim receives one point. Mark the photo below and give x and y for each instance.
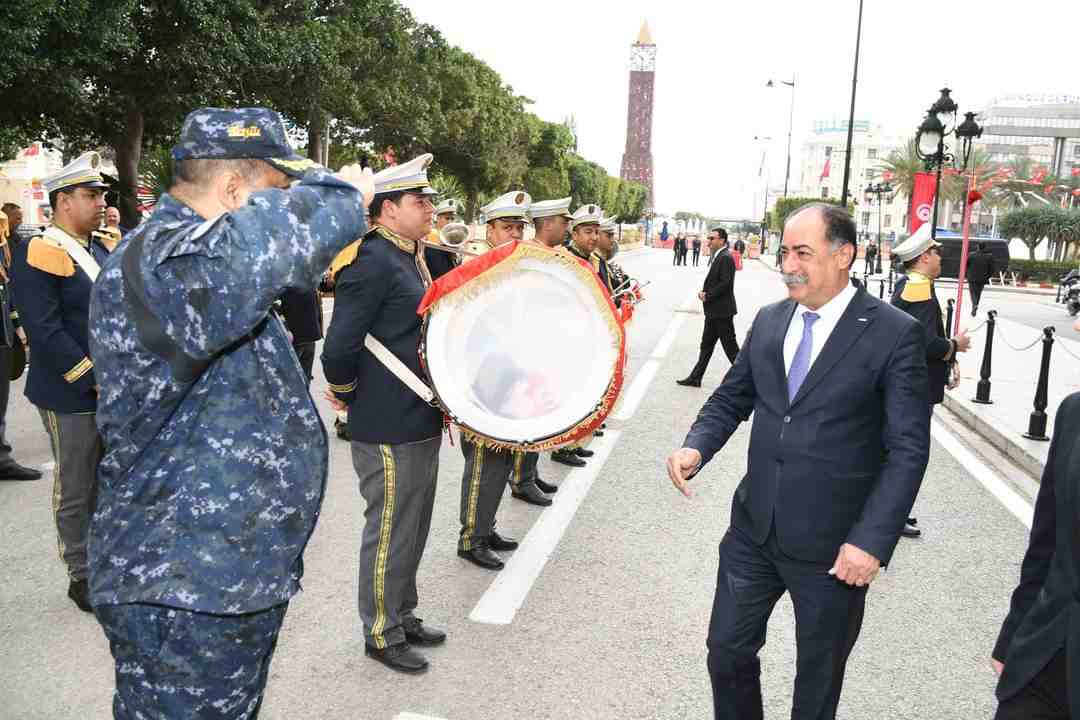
(216, 457)
(378, 292)
(52, 294)
(915, 295)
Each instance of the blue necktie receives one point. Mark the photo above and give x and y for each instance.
(800, 364)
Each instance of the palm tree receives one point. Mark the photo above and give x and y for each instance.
(1013, 188)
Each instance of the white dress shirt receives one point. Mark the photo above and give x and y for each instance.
(829, 316)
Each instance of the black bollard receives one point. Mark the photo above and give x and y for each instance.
(982, 390)
(948, 323)
(881, 289)
(1037, 422)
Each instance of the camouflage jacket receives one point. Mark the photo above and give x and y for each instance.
(212, 480)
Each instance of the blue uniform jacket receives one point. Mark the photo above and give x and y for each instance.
(211, 487)
(53, 310)
(379, 293)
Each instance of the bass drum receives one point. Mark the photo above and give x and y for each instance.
(523, 348)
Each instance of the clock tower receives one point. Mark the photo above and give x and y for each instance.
(637, 162)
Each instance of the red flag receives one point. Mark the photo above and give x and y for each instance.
(1076, 171)
(31, 151)
(922, 201)
(1037, 178)
(825, 171)
(887, 176)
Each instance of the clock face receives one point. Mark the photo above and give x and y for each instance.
(643, 57)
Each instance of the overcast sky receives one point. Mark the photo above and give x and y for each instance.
(713, 60)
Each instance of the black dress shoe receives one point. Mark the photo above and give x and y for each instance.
(498, 542)
(483, 556)
(546, 487)
(398, 657)
(582, 452)
(688, 382)
(417, 634)
(531, 494)
(12, 470)
(598, 433)
(79, 592)
(910, 531)
(566, 458)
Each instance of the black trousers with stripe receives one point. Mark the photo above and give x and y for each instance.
(398, 484)
(483, 484)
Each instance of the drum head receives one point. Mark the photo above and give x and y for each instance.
(526, 353)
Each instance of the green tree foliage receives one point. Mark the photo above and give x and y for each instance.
(1032, 225)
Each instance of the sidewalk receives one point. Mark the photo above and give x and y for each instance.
(1014, 375)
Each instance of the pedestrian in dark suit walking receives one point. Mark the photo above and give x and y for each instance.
(697, 249)
(1037, 653)
(980, 268)
(836, 382)
(676, 247)
(718, 298)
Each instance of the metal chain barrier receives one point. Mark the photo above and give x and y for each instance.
(1065, 347)
(1036, 341)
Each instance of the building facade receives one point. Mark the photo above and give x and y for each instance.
(1045, 128)
(821, 173)
(637, 161)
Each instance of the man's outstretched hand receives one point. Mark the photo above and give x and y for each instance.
(855, 567)
(681, 464)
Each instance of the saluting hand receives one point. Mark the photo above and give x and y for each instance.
(854, 566)
(681, 464)
(361, 178)
(701, 296)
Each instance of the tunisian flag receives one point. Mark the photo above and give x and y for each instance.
(922, 201)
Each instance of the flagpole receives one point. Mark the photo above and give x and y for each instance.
(968, 205)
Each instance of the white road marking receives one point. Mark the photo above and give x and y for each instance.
(507, 593)
(989, 479)
(662, 347)
(628, 405)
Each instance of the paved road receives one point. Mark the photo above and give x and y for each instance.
(612, 627)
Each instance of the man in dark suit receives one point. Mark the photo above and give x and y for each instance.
(718, 297)
(1038, 650)
(980, 268)
(836, 381)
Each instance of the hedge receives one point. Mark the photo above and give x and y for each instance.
(1044, 271)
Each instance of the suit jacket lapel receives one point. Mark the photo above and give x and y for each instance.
(776, 344)
(858, 316)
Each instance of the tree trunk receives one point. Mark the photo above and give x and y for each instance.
(128, 147)
(316, 136)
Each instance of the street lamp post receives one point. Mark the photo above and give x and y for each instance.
(940, 122)
(851, 114)
(791, 118)
(877, 190)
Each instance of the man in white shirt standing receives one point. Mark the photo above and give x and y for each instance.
(836, 381)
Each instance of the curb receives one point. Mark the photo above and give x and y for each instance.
(1001, 440)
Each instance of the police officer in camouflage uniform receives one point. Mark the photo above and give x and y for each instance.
(216, 457)
(395, 434)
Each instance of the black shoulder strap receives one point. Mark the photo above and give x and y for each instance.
(185, 368)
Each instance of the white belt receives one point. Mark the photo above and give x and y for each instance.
(399, 369)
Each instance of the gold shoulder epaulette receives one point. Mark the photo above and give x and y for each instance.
(916, 290)
(345, 257)
(50, 258)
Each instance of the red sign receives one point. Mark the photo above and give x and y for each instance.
(922, 201)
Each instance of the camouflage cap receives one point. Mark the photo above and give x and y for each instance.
(238, 134)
